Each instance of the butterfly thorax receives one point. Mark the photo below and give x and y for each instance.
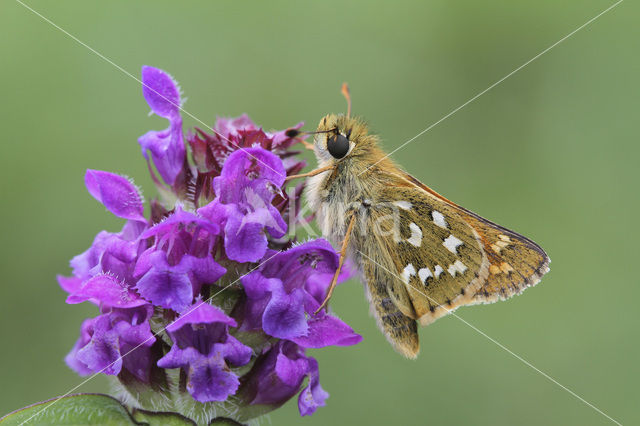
(355, 180)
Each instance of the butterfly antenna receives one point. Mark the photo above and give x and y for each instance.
(347, 96)
(294, 133)
(299, 136)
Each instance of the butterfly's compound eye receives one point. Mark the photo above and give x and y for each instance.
(338, 145)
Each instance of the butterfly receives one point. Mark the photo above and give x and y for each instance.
(420, 255)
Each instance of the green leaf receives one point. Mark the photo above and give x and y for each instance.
(223, 421)
(160, 418)
(78, 409)
(89, 409)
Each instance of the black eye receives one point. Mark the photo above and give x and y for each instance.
(338, 145)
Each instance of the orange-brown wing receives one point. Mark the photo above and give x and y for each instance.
(507, 263)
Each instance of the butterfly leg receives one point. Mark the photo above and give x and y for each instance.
(308, 174)
(343, 252)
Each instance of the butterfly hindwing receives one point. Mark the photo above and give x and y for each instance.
(390, 302)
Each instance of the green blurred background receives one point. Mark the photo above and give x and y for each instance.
(551, 152)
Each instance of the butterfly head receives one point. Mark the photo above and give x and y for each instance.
(343, 139)
(340, 137)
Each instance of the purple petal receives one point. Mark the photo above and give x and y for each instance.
(313, 396)
(202, 270)
(109, 250)
(108, 291)
(234, 351)
(117, 194)
(208, 378)
(102, 353)
(268, 217)
(257, 286)
(284, 316)
(161, 92)
(258, 290)
(164, 286)
(201, 313)
(291, 370)
(276, 375)
(216, 212)
(106, 338)
(180, 218)
(167, 150)
(208, 381)
(253, 163)
(327, 330)
(244, 242)
(166, 146)
(144, 262)
(69, 284)
(83, 264)
(276, 225)
(137, 360)
(72, 357)
(300, 262)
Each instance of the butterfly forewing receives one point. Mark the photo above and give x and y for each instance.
(438, 257)
(515, 262)
(447, 256)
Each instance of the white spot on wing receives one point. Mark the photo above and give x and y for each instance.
(452, 243)
(438, 219)
(457, 267)
(416, 235)
(424, 273)
(438, 270)
(404, 205)
(499, 245)
(408, 272)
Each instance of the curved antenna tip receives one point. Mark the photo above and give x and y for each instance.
(347, 96)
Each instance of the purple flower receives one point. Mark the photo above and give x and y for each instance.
(166, 146)
(105, 290)
(106, 339)
(184, 272)
(117, 193)
(278, 375)
(105, 270)
(203, 347)
(284, 293)
(173, 270)
(210, 151)
(245, 190)
(103, 275)
(113, 253)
